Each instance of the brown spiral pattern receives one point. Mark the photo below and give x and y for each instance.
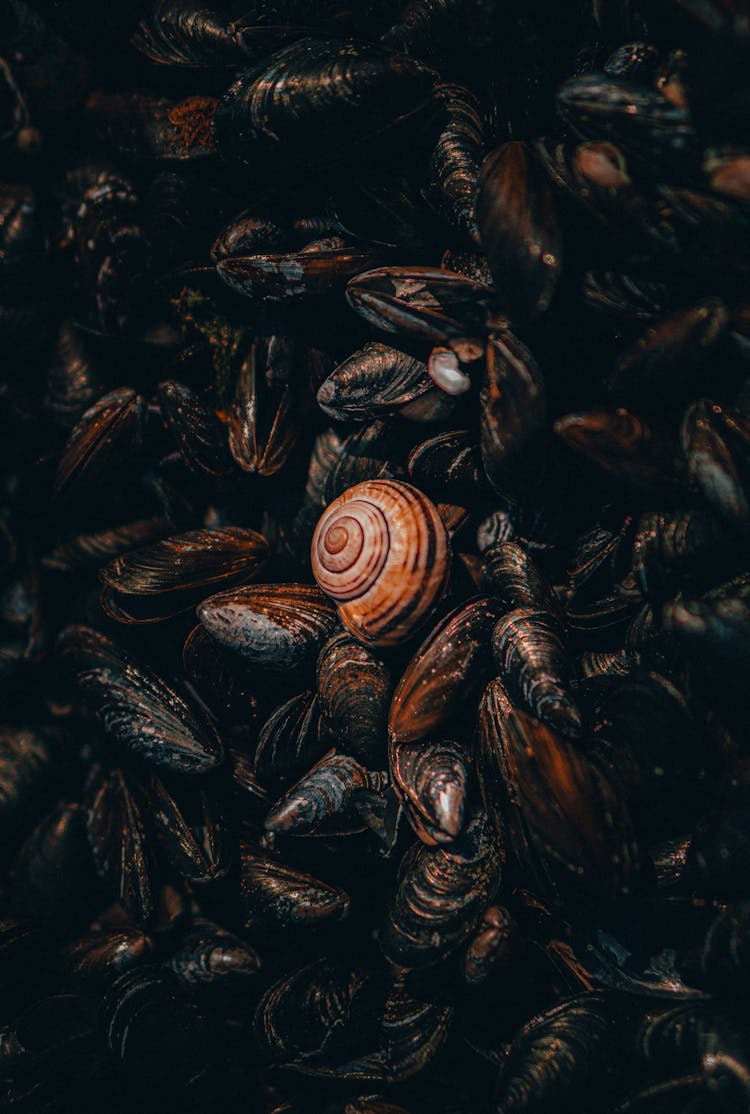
(381, 552)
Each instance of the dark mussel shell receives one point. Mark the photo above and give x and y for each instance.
(199, 435)
(106, 436)
(424, 303)
(319, 270)
(513, 402)
(712, 630)
(630, 447)
(263, 424)
(456, 160)
(310, 1011)
(560, 1057)
(446, 671)
(314, 102)
(441, 896)
(212, 962)
(354, 691)
(276, 626)
(276, 895)
(289, 741)
(118, 838)
(519, 230)
(146, 585)
(139, 709)
(535, 667)
(378, 380)
(716, 443)
(186, 33)
(433, 779)
(322, 794)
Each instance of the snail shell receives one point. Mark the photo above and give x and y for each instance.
(382, 553)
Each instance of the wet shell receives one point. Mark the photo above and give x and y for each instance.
(456, 159)
(172, 576)
(379, 380)
(186, 33)
(289, 741)
(322, 794)
(433, 778)
(138, 708)
(441, 896)
(106, 435)
(626, 445)
(447, 669)
(423, 303)
(382, 553)
(535, 668)
(274, 894)
(83, 551)
(263, 425)
(519, 230)
(200, 437)
(513, 402)
(117, 834)
(354, 690)
(317, 271)
(717, 445)
(314, 102)
(279, 627)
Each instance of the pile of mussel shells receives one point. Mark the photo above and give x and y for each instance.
(374, 556)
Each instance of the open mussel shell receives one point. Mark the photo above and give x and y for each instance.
(423, 303)
(314, 102)
(137, 708)
(382, 553)
(379, 380)
(519, 230)
(154, 583)
(441, 895)
(276, 895)
(446, 671)
(275, 626)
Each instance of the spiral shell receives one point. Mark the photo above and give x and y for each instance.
(382, 553)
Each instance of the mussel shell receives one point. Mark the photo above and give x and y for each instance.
(441, 895)
(379, 380)
(289, 276)
(354, 689)
(263, 423)
(423, 303)
(199, 435)
(345, 96)
(276, 626)
(161, 580)
(274, 894)
(456, 159)
(519, 230)
(433, 778)
(447, 669)
(324, 793)
(513, 402)
(289, 741)
(186, 33)
(138, 708)
(106, 434)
